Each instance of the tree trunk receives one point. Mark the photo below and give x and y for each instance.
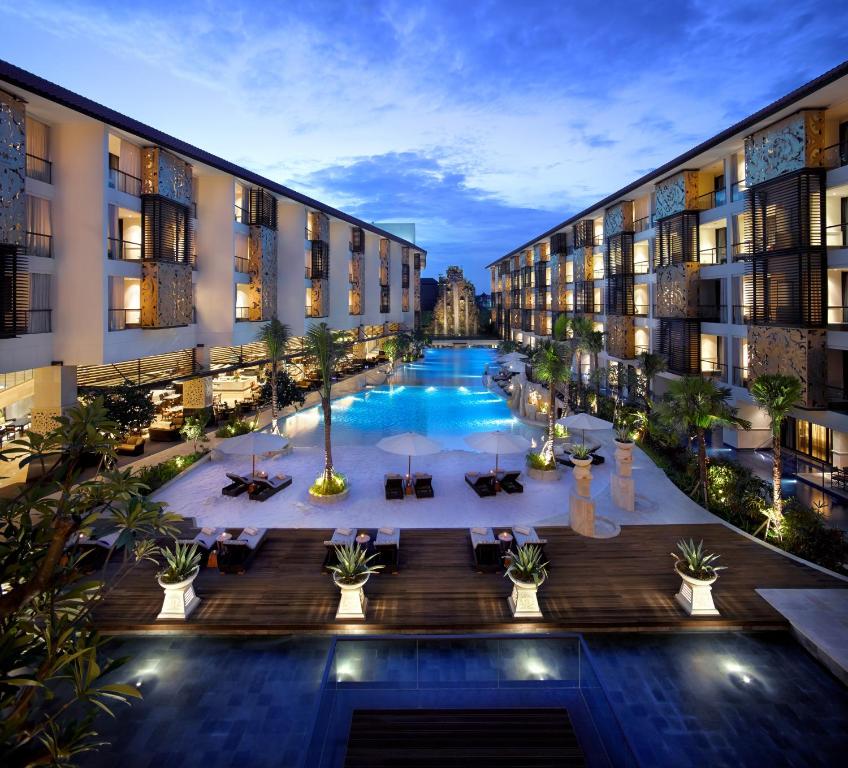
(552, 416)
(328, 448)
(274, 428)
(597, 378)
(776, 490)
(702, 464)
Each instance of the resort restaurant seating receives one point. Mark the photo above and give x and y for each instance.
(166, 431)
(423, 485)
(237, 486)
(236, 554)
(839, 478)
(508, 479)
(265, 487)
(394, 486)
(486, 549)
(483, 484)
(131, 445)
(340, 536)
(526, 534)
(386, 546)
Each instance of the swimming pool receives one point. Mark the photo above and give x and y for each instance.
(441, 396)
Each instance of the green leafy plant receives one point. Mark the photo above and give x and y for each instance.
(154, 476)
(181, 562)
(194, 428)
(276, 337)
(234, 427)
(540, 461)
(127, 406)
(324, 486)
(560, 432)
(696, 562)
(580, 452)
(352, 564)
(526, 564)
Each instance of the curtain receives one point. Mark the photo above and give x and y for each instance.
(39, 226)
(39, 303)
(117, 319)
(130, 159)
(37, 139)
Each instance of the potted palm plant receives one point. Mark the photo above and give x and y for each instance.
(182, 564)
(351, 571)
(624, 445)
(698, 572)
(527, 572)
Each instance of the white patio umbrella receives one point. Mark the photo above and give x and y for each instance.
(409, 444)
(252, 443)
(498, 442)
(584, 421)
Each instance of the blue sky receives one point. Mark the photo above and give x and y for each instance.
(483, 122)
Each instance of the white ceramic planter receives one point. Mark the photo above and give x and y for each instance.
(524, 600)
(180, 599)
(352, 602)
(696, 595)
(583, 476)
(330, 499)
(624, 458)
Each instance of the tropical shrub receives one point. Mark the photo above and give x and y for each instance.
(691, 558)
(180, 562)
(540, 461)
(526, 565)
(352, 563)
(234, 427)
(324, 486)
(154, 476)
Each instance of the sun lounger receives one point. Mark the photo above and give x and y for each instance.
(508, 479)
(340, 536)
(237, 486)
(486, 549)
(483, 484)
(95, 550)
(387, 545)
(235, 555)
(525, 535)
(394, 486)
(266, 487)
(423, 485)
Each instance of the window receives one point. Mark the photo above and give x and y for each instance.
(809, 439)
(38, 165)
(721, 245)
(39, 304)
(39, 228)
(843, 144)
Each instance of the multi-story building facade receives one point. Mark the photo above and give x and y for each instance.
(455, 313)
(128, 255)
(730, 260)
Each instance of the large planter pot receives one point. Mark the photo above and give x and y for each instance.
(352, 602)
(695, 595)
(582, 476)
(180, 599)
(331, 499)
(545, 475)
(624, 458)
(524, 600)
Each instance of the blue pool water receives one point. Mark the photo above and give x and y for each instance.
(441, 396)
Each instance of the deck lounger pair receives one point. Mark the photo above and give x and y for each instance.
(394, 486)
(486, 549)
(266, 487)
(205, 539)
(527, 535)
(483, 484)
(340, 537)
(508, 479)
(423, 485)
(238, 485)
(235, 555)
(387, 546)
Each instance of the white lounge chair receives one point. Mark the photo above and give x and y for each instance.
(527, 535)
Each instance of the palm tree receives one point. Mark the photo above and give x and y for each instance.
(323, 348)
(693, 405)
(776, 393)
(581, 330)
(650, 364)
(593, 343)
(563, 334)
(276, 336)
(552, 366)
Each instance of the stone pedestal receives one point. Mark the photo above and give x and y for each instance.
(623, 492)
(352, 601)
(180, 599)
(582, 512)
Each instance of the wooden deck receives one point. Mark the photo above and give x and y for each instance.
(621, 584)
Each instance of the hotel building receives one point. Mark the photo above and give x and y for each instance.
(730, 260)
(129, 255)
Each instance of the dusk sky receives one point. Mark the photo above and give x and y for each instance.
(483, 122)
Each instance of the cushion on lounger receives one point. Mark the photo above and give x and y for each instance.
(251, 531)
(344, 531)
(387, 531)
(479, 531)
(522, 531)
(207, 531)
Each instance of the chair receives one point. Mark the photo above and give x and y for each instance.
(486, 549)
(265, 488)
(235, 555)
(340, 536)
(386, 546)
(205, 539)
(95, 550)
(394, 486)
(483, 484)
(527, 535)
(237, 487)
(423, 485)
(131, 445)
(509, 481)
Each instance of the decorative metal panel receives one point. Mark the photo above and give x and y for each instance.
(166, 231)
(404, 278)
(263, 208)
(621, 337)
(262, 268)
(385, 257)
(319, 293)
(618, 218)
(788, 289)
(679, 341)
(678, 239)
(318, 226)
(618, 255)
(357, 240)
(677, 193)
(166, 294)
(678, 290)
(800, 352)
(584, 233)
(620, 299)
(14, 291)
(583, 264)
(165, 175)
(788, 145)
(197, 393)
(12, 170)
(559, 244)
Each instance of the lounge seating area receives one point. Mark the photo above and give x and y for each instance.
(508, 480)
(395, 486)
(483, 484)
(234, 555)
(486, 549)
(259, 487)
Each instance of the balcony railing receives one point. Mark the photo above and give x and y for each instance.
(712, 313)
(837, 235)
(713, 255)
(318, 272)
(241, 263)
(714, 369)
(641, 267)
(123, 250)
(835, 156)
(39, 245)
(742, 314)
(124, 182)
(242, 314)
(837, 318)
(641, 310)
(311, 234)
(121, 319)
(712, 199)
(598, 273)
(39, 168)
(643, 224)
(737, 191)
(242, 214)
(39, 320)
(640, 348)
(598, 240)
(740, 377)
(741, 251)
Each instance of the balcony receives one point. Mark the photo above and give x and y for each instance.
(712, 313)
(740, 377)
(39, 245)
(123, 250)
(598, 240)
(121, 319)
(741, 251)
(124, 182)
(714, 369)
(242, 314)
(643, 224)
(837, 318)
(836, 235)
(737, 191)
(713, 255)
(241, 263)
(641, 310)
(39, 168)
(835, 156)
(318, 272)
(242, 214)
(742, 314)
(641, 267)
(712, 199)
(39, 320)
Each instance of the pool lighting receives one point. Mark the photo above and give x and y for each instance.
(430, 390)
(746, 679)
(535, 669)
(464, 390)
